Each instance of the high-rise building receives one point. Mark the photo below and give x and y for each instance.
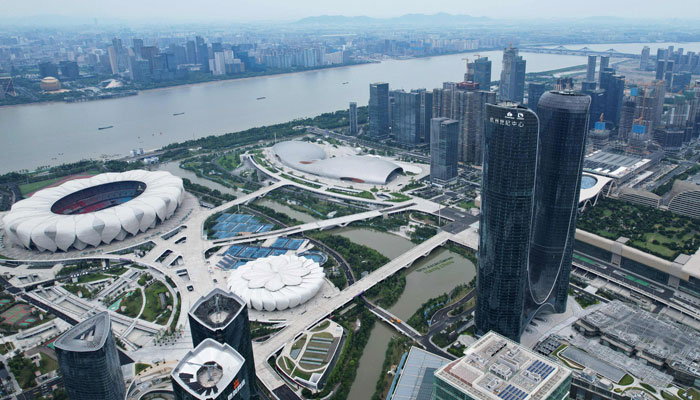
(219, 64)
(644, 61)
(563, 120)
(89, 362)
(604, 63)
(223, 316)
(426, 114)
(202, 54)
(69, 70)
(443, 150)
(212, 371)
(512, 85)
(590, 71)
(507, 200)
(353, 118)
(137, 45)
(378, 110)
(191, 52)
(48, 69)
(406, 118)
(534, 92)
(113, 60)
(614, 86)
(495, 364)
(479, 71)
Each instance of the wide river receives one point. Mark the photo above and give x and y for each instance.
(49, 134)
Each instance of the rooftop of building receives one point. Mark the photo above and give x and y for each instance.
(495, 367)
(87, 336)
(208, 369)
(217, 309)
(416, 377)
(614, 165)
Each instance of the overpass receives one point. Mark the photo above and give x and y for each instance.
(585, 51)
(263, 351)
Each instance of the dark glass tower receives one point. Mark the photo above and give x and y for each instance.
(512, 85)
(89, 362)
(563, 125)
(353, 118)
(223, 316)
(534, 92)
(444, 140)
(406, 117)
(508, 188)
(378, 110)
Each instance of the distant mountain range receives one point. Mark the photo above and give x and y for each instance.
(414, 19)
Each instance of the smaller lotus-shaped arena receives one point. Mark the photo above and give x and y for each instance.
(277, 282)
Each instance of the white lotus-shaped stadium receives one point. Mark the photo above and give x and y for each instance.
(93, 211)
(277, 282)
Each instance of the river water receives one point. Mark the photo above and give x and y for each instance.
(52, 133)
(448, 270)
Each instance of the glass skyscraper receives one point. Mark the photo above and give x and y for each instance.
(378, 110)
(530, 190)
(223, 316)
(444, 140)
(512, 85)
(89, 362)
(407, 118)
(562, 141)
(507, 200)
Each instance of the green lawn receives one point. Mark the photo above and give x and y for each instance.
(140, 367)
(626, 380)
(132, 303)
(34, 186)
(91, 277)
(153, 309)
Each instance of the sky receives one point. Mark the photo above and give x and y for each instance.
(286, 10)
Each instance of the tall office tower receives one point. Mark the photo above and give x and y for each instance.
(614, 86)
(470, 112)
(627, 116)
(212, 371)
(180, 54)
(69, 70)
(512, 85)
(406, 126)
(89, 362)
(202, 54)
(479, 71)
(507, 200)
(378, 110)
(562, 139)
(604, 63)
(219, 64)
(353, 118)
(444, 100)
(426, 114)
(113, 60)
(644, 61)
(223, 316)
(191, 52)
(534, 92)
(590, 71)
(137, 46)
(496, 362)
(660, 69)
(443, 150)
(48, 69)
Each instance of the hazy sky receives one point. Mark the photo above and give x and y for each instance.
(248, 10)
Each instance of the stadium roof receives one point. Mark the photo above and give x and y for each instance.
(591, 186)
(308, 157)
(89, 335)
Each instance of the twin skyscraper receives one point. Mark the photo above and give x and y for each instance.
(532, 165)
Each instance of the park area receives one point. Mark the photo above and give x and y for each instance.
(658, 232)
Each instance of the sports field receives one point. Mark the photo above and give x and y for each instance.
(19, 315)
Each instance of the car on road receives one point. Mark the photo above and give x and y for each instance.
(190, 288)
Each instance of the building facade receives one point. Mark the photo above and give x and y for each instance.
(378, 110)
(590, 70)
(479, 72)
(563, 120)
(89, 362)
(406, 118)
(534, 92)
(512, 85)
(353, 118)
(443, 150)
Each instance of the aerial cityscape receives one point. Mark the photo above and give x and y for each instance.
(352, 201)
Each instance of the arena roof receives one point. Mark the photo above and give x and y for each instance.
(94, 210)
(591, 186)
(277, 282)
(310, 158)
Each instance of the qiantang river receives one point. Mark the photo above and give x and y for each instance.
(53, 133)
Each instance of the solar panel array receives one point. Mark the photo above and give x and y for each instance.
(541, 369)
(231, 225)
(512, 393)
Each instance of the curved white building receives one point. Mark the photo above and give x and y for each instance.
(93, 211)
(277, 282)
(310, 158)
